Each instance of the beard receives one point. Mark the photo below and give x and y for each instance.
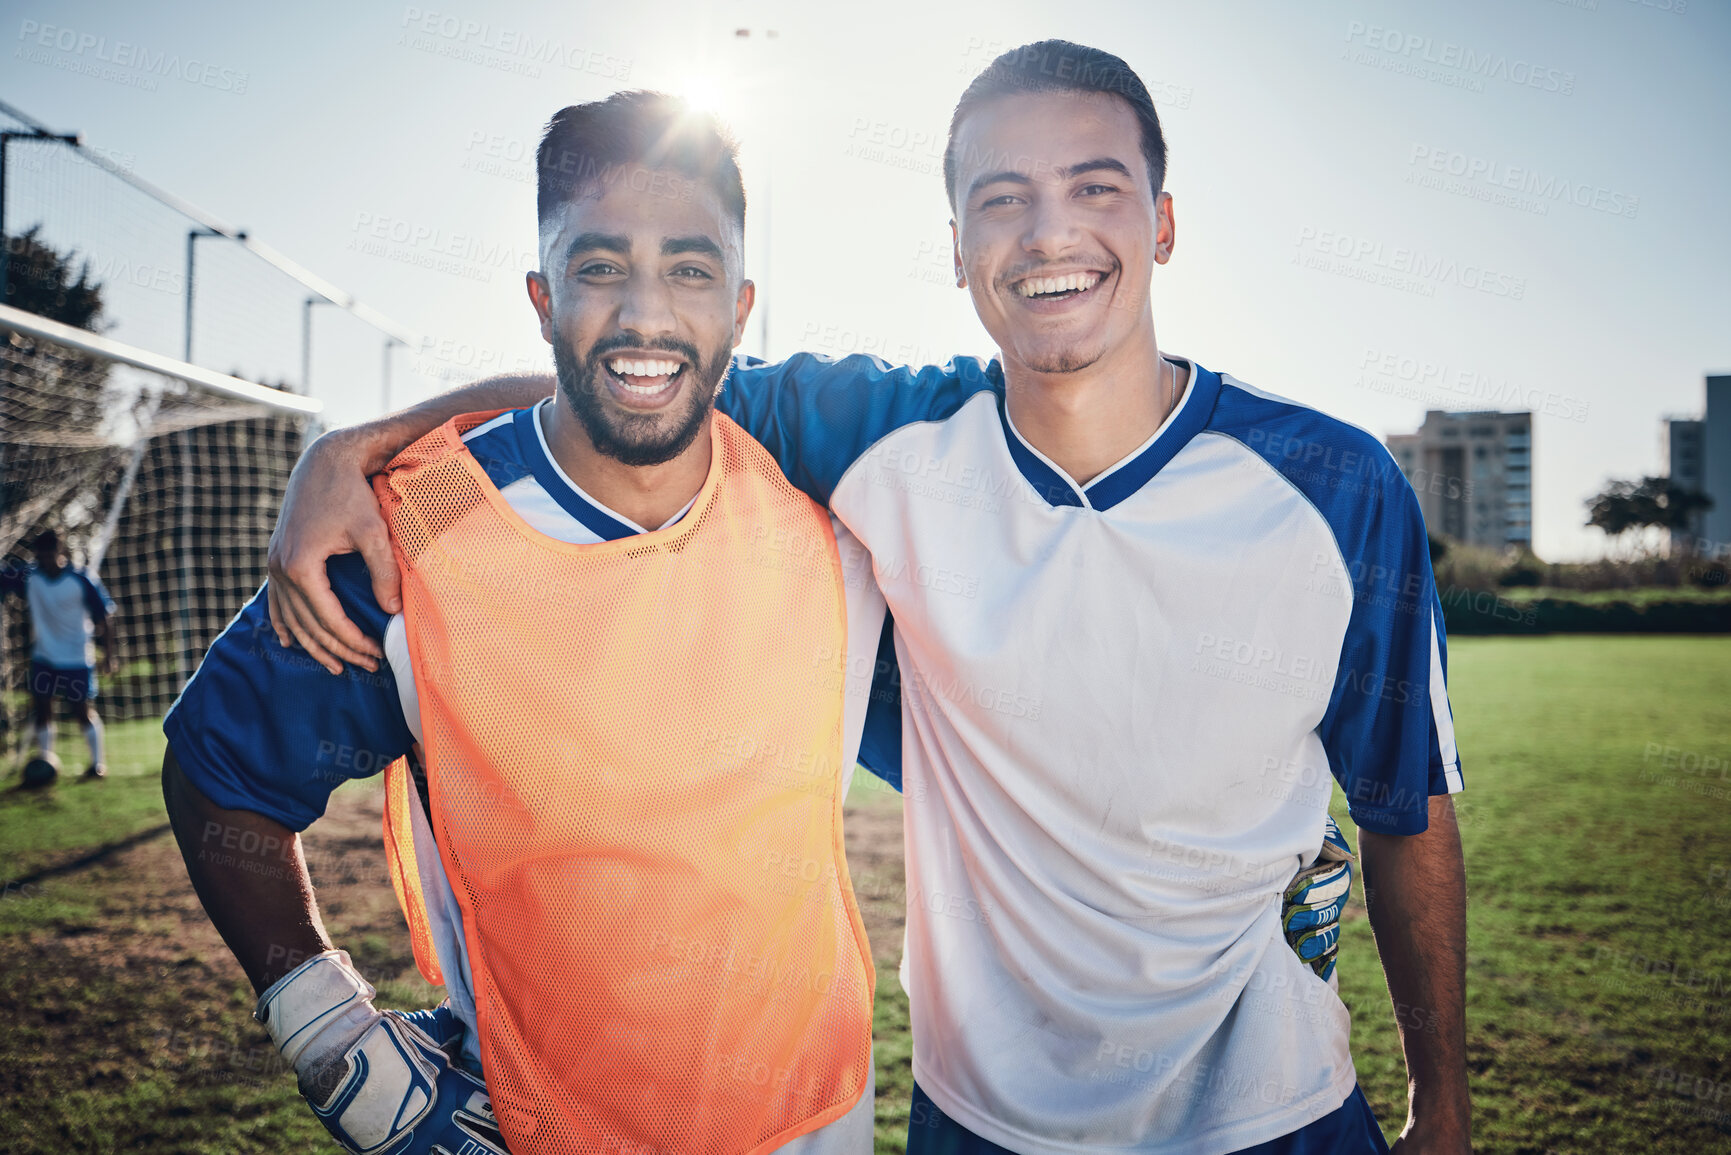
(1063, 361)
(1071, 356)
(638, 438)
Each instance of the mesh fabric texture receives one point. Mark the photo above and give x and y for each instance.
(633, 756)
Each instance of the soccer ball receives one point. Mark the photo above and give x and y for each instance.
(41, 770)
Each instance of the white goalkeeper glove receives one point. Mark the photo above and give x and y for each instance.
(377, 1080)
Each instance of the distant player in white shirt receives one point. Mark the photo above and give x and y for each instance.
(69, 611)
(1142, 614)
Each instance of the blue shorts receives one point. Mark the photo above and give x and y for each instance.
(1349, 1130)
(74, 684)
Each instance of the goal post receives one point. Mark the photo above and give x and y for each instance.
(162, 477)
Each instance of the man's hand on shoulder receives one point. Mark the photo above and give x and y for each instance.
(329, 508)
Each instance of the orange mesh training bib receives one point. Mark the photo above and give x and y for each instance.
(633, 763)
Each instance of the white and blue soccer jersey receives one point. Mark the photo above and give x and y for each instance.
(64, 610)
(1122, 704)
(266, 729)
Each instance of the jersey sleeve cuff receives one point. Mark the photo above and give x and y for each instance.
(1389, 821)
(1445, 778)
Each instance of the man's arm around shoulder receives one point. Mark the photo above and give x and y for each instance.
(329, 509)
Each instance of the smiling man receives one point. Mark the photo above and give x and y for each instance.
(1142, 611)
(619, 723)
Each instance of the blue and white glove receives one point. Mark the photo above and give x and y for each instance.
(1310, 909)
(381, 1082)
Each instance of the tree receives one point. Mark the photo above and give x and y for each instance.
(40, 280)
(1650, 503)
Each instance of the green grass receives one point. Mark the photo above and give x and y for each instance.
(1591, 865)
(162, 1059)
(37, 827)
(119, 1037)
(1597, 831)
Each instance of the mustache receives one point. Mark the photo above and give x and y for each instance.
(606, 345)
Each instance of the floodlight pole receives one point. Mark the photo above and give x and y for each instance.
(188, 490)
(307, 341)
(385, 376)
(192, 235)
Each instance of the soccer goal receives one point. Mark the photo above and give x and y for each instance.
(162, 478)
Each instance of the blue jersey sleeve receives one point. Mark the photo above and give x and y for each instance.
(1387, 730)
(97, 603)
(268, 729)
(817, 416)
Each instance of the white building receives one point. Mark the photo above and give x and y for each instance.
(1473, 473)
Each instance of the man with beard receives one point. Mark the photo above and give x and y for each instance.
(617, 711)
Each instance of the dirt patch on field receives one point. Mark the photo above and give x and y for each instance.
(874, 860)
(128, 1022)
(135, 910)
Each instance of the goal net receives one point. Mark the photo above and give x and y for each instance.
(162, 479)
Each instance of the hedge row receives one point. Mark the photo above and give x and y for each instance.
(1467, 612)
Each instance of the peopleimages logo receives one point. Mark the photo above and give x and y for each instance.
(502, 47)
(1414, 378)
(1427, 58)
(1394, 266)
(1517, 186)
(122, 61)
(460, 254)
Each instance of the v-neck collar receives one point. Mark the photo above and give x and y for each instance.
(603, 522)
(1114, 484)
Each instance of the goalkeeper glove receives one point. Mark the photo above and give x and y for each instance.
(1311, 907)
(381, 1082)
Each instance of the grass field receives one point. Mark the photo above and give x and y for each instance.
(1597, 826)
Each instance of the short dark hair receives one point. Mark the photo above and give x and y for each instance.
(1060, 66)
(588, 143)
(48, 537)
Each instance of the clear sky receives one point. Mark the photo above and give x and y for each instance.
(1383, 206)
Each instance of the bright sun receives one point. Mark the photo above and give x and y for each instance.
(704, 93)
